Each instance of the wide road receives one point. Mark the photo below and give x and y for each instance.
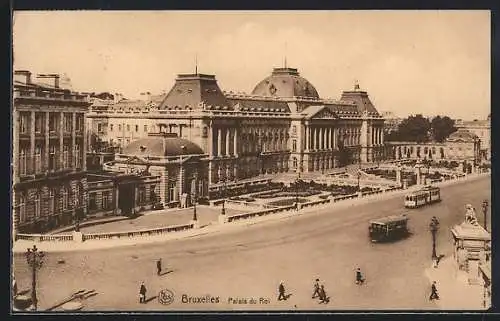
(251, 261)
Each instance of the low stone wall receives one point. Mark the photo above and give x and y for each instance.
(80, 237)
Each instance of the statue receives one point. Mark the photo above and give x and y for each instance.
(470, 215)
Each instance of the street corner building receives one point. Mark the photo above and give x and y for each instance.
(49, 180)
(179, 165)
(282, 126)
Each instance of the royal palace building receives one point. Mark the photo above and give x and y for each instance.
(49, 182)
(282, 126)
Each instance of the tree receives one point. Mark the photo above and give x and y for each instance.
(414, 129)
(442, 127)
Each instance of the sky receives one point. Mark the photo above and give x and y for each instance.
(409, 62)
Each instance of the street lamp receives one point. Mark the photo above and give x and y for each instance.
(223, 210)
(485, 211)
(34, 259)
(433, 227)
(195, 196)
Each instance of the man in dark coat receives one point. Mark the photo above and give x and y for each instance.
(158, 267)
(281, 290)
(142, 293)
(316, 289)
(359, 277)
(322, 295)
(434, 294)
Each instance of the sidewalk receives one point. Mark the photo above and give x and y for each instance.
(21, 245)
(454, 291)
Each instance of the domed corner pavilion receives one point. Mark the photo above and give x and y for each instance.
(181, 165)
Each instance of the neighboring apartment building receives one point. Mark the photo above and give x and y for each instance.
(49, 182)
(283, 126)
(482, 128)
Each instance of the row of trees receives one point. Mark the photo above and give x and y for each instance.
(419, 129)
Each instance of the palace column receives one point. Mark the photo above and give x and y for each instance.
(32, 143)
(308, 138)
(61, 140)
(228, 140)
(219, 141)
(47, 139)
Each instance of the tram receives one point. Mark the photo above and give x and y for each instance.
(423, 196)
(388, 228)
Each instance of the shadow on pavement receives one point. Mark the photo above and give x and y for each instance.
(166, 272)
(151, 299)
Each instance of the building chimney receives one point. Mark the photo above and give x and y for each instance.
(26, 74)
(53, 76)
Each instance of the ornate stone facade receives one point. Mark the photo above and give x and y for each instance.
(49, 183)
(283, 126)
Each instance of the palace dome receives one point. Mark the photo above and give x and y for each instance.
(285, 82)
(162, 146)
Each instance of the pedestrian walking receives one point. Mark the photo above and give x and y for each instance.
(434, 294)
(142, 293)
(14, 286)
(281, 290)
(323, 298)
(359, 277)
(158, 267)
(316, 289)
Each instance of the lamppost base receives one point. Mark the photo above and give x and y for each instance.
(222, 219)
(196, 224)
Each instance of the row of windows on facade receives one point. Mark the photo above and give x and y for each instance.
(69, 160)
(100, 127)
(433, 149)
(66, 203)
(54, 118)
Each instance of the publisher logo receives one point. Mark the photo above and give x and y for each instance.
(165, 297)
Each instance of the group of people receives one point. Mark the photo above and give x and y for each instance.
(319, 289)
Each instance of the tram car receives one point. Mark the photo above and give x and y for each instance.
(423, 196)
(389, 228)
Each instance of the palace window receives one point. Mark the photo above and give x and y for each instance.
(294, 145)
(99, 128)
(65, 198)
(142, 195)
(136, 128)
(78, 161)
(52, 158)
(38, 159)
(111, 127)
(37, 204)
(106, 200)
(65, 156)
(145, 128)
(22, 208)
(425, 151)
(39, 122)
(79, 123)
(295, 164)
(294, 130)
(24, 122)
(68, 122)
(152, 193)
(128, 127)
(119, 127)
(23, 161)
(434, 150)
(171, 192)
(52, 202)
(92, 202)
(52, 122)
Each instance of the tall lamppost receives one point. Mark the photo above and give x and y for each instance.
(485, 212)
(434, 227)
(195, 196)
(223, 210)
(34, 259)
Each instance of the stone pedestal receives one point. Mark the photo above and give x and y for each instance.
(78, 237)
(471, 248)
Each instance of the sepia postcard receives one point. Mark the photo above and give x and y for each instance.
(251, 161)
